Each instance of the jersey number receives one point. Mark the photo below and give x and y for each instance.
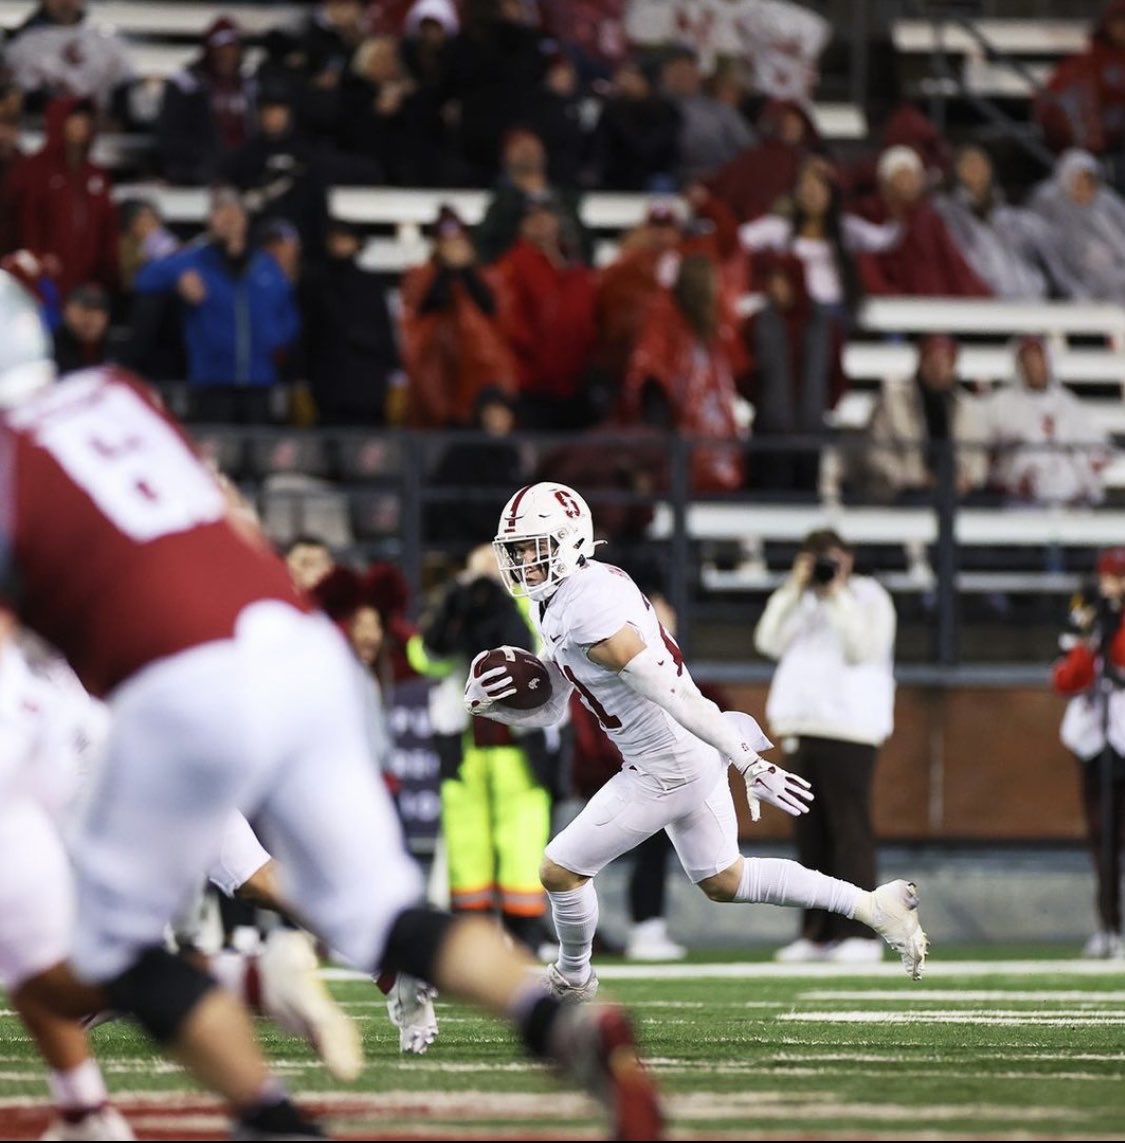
(608, 721)
(138, 471)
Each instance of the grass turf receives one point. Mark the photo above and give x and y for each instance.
(973, 1051)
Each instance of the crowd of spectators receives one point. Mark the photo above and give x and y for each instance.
(270, 315)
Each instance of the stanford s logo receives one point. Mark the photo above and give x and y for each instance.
(568, 504)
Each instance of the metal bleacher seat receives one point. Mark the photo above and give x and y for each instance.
(365, 458)
(225, 446)
(292, 504)
(169, 18)
(375, 514)
(292, 451)
(999, 58)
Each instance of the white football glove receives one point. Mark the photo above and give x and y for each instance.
(493, 685)
(765, 781)
(768, 782)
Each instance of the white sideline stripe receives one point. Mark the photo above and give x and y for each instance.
(956, 1016)
(767, 971)
(914, 995)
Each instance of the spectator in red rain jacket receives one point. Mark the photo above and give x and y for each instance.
(452, 346)
(926, 262)
(61, 201)
(1084, 102)
(548, 319)
(682, 374)
(629, 284)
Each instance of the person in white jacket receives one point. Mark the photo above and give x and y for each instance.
(831, 703)
(1047, 447)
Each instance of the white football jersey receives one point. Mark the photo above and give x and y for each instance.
(590, 605)
(50, 730)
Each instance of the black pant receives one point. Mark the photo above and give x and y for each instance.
(836, 835)
(1108, 879)
(647, 881)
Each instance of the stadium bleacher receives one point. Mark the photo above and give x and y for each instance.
(1003, 59)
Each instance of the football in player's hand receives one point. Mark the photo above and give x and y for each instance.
(529, 676)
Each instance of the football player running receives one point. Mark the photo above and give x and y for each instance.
(603, 639)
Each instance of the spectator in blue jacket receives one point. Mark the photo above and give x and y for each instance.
(239, 316)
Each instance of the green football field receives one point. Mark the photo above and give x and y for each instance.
(1012, 1044)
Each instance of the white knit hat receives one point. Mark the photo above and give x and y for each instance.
(898, 158)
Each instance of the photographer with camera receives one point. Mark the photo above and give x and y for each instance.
(831, 705)
(1092, 672)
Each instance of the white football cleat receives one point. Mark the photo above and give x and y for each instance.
(104, 1122)
(295, 997)
(649, 940)
(410, 1005)
(892, 911)
(803, 951)
(562, 989)
(1104, 945)
(856, 950)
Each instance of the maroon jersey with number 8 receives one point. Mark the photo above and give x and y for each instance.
(119, 548)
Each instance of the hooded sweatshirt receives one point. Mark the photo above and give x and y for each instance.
(62, 205)
(1033, 434)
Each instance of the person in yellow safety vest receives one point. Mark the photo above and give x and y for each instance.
(496, 784)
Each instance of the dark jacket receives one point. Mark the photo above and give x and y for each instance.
(635, 141)
(349, 343)
(281, 178)
(200, 122)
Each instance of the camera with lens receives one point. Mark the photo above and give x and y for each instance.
(825, 569)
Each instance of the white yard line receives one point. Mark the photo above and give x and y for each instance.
(982, 996)
(955, 1016)
(758, 970)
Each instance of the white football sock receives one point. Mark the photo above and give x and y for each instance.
(77, 1088)
(238, 973)
(576, 920)
(776, 881)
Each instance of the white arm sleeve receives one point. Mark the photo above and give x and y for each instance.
(655, 677)
(548, 714)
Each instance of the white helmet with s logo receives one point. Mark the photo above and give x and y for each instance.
(557, 521)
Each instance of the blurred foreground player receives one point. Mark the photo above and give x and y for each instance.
(225, 691)
(40, 746)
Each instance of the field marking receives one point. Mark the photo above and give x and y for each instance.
(983, 996)
(954, 1016)
(380, 1006)
(764, 970)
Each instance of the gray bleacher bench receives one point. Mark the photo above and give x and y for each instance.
(750, 525)
(179, 18)
(1037, 45)
(1018, 37)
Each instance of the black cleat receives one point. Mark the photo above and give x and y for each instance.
(282, 1120)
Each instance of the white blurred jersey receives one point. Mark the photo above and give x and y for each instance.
(590, 605)
(51, 730)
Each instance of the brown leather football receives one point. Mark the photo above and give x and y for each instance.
(529, 676)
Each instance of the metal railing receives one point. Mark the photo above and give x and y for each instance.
(382, 495)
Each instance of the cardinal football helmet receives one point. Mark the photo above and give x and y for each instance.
(557, 521)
